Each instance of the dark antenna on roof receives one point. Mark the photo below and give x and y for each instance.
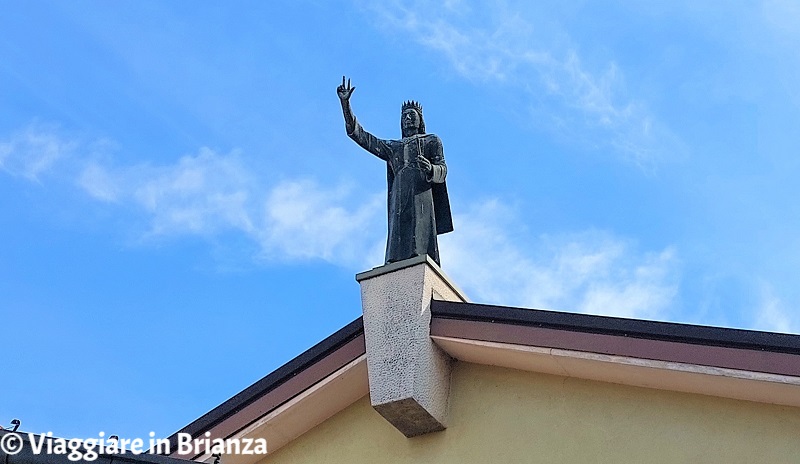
(16, 423)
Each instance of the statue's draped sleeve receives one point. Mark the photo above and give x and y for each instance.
(441, 200)
(369, 142)
(436, 157)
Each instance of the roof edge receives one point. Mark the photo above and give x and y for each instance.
(608, 325)
(272, 380)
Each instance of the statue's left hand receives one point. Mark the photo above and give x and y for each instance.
(424, 164)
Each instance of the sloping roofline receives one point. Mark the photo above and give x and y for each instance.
(310, 367)
(607, 325)
(749, 350)
(464, 329)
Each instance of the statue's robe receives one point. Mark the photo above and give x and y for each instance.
(418, 205)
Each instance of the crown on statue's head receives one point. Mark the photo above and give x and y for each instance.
(411, 104)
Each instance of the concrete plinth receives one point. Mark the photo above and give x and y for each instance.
(409, 376)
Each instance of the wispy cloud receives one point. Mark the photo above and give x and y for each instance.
(772, 314)
(33, 151)
(200, 194)
(782, 15)
(208, 194)
(591, 271)
(300, 219)
(304, 219)
(211, 193)
(494, 44)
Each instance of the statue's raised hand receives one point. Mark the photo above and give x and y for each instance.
(345, 90)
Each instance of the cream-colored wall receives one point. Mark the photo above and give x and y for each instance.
(506, 416)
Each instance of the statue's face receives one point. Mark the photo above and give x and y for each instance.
(410, 121)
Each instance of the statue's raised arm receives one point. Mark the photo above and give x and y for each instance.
(418, 205)
(345, 91)
(367, 141)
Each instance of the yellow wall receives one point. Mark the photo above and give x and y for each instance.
(505, 416)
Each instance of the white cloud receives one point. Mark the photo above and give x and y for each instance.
(592, 272)
(34, 151)
(772, 314)
(503, 46)
(299, 219)
(98, 183)
(209, 193)
(199, 194)
(304, 219)
(782, 15)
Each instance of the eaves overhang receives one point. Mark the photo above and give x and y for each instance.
(733, 363)
(334, 367)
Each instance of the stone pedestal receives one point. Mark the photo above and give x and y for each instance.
(409, 376)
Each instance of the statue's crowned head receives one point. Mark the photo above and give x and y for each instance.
(411, 122)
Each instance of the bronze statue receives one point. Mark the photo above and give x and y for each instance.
(418, 205)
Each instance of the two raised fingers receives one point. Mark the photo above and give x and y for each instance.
(346, 87)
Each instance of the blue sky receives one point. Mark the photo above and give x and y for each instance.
(181, 211)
